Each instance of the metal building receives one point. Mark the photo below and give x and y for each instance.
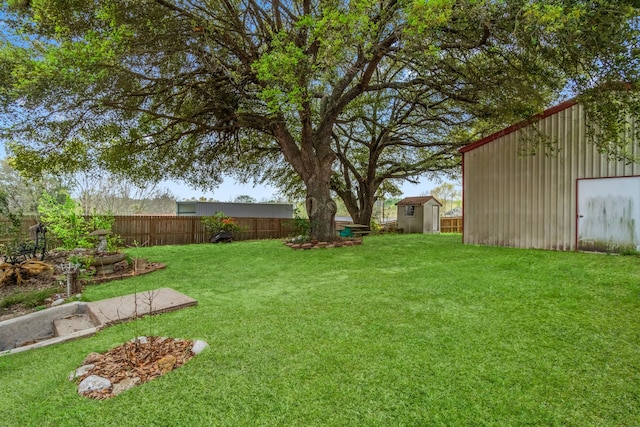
(236, 210)
(571, 199)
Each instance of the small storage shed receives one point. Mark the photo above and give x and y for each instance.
(419, 215)
(236, 210)
(571, 199)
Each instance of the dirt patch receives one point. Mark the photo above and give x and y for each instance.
(53, 281)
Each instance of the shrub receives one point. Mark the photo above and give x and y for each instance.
(220, 222)
(65, 221)
(301, 226)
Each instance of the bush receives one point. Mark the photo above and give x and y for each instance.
(301, 226)
(220, 222)
(65, 221)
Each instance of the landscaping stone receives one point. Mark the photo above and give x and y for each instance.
(125, 385)
(140, 340)
(92, 358)
(198, 347)
(166, 364)
(57, 302)
(82, 370)
(93, 383)
(314, 244)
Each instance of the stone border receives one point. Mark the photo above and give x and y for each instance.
(97, 279)
(324, 245)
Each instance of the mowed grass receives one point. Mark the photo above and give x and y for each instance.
(405, 330)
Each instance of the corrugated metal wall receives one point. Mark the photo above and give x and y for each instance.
(529, 201)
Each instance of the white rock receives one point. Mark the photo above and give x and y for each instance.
(57, 302)
(80, 371)
(93, 383)
(140, 340)
(199, 346)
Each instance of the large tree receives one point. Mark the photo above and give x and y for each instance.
(183, 88)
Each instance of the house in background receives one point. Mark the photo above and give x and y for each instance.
(419, 215)
(572, 199)
(455, 212)
(235, 210)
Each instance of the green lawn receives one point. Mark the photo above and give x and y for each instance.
(405, 330)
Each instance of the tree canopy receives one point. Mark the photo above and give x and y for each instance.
(191, 89)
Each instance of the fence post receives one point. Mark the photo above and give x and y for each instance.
(255, 228)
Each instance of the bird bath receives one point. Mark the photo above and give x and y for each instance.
(104, 263)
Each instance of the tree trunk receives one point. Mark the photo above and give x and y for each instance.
(313, 161)
(365, 212)
(360, 207)
(321, 210)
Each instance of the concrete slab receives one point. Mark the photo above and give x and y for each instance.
(79, 319)
(121, 309)
(71, 324)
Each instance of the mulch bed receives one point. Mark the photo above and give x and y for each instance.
(137, 360)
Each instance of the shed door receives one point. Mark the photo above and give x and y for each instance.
(435, 214)
(609, 214)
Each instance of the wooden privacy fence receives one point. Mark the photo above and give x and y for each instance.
(451, 224)
(27, 222)
(149, 230)
(183, 230)
(157, 230)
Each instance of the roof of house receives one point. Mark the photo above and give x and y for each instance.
(453, 212)
(506, 131)
(416, 201)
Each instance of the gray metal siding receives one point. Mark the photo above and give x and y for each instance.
(529, 201)
(239, 210)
